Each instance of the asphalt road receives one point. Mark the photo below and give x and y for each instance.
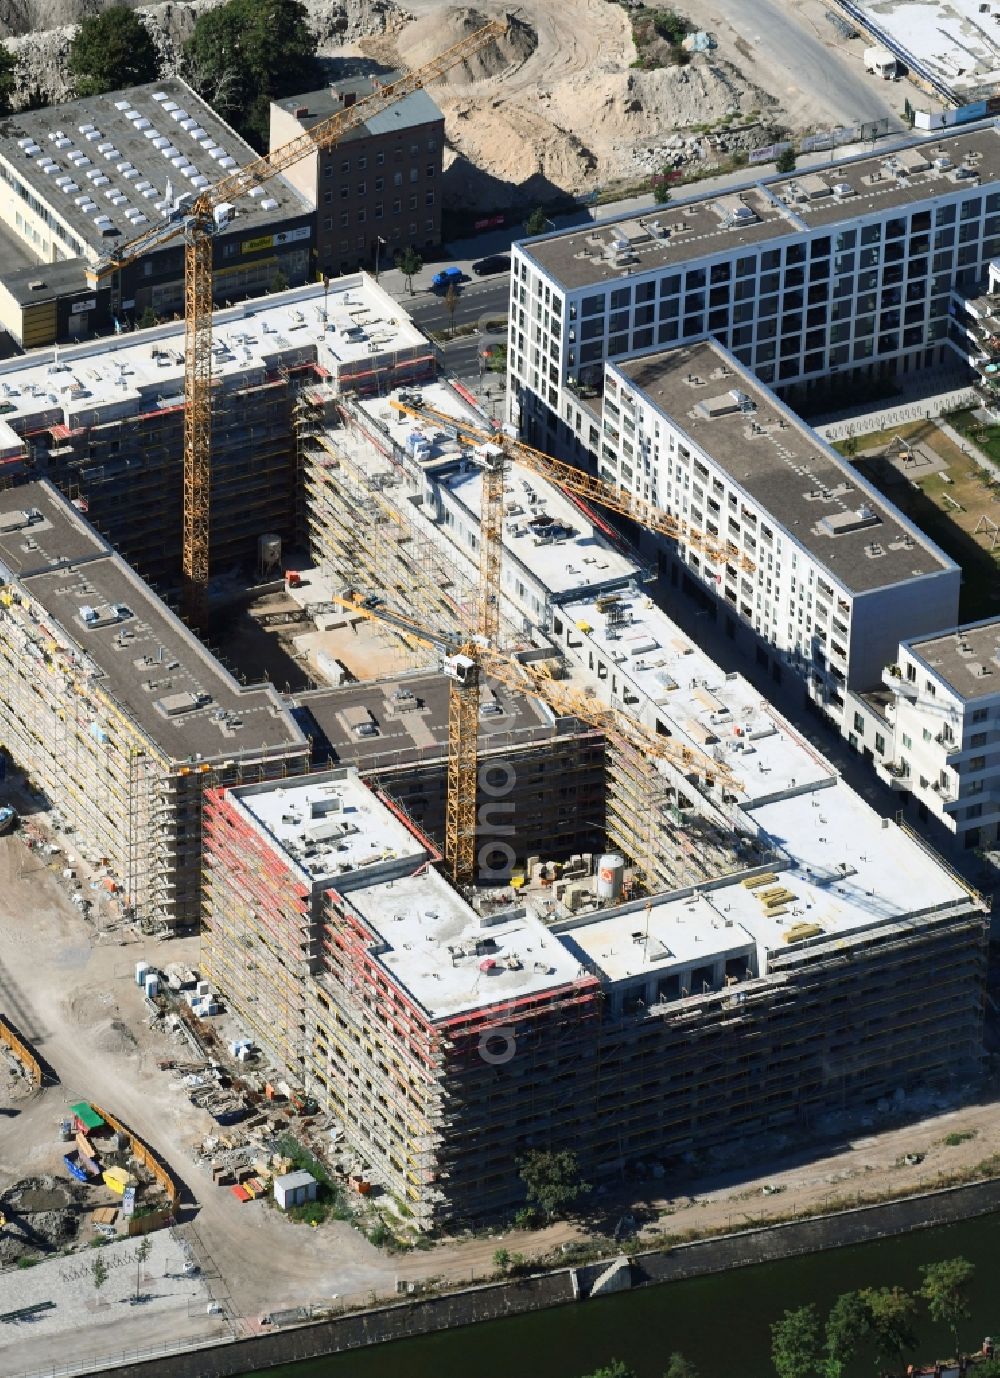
(475, 300)
(461, 356)
(814, 83)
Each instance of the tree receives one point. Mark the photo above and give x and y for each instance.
(279, 283)
(616, 1369)
(451, 305)
(247, 53)
(892, 1311)
(147, 319)
(536, 222)
(846, 1326)
(785, 161)
(409, 264)
(795, 1343)
(111, 51)
(552, 1179)
(142, 1253)
(945, 1290)
(988, 1368)
(661, 187)
(99, 1272)
(8, 79)
(679, 1367)
(501, 1260)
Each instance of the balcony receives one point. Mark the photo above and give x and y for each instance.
(894, 679)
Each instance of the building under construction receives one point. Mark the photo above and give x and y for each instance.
(104, 421)
(541, 779)
(448, 1039)
(116, 712)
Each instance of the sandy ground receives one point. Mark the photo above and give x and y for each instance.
(558, 105)
(74, 997)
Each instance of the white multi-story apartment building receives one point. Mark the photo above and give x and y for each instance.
(819, 566)
(945, 721)
(844, 270)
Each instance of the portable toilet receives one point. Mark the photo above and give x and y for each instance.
(152, 985)
(140, 973)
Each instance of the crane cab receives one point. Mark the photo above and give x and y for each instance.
(460, 668)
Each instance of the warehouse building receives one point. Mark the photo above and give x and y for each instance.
(117, 713)
(104, 420)
(846, 270)
(379, 189)
(85, 177)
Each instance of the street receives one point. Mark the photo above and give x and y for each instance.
(476, 300)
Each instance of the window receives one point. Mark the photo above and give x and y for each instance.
(345, 217)
(880, 743)
(379, 159)
(975, 763)
(362, 188)
(361, 216)
(859, 724)
(379, 183)
(414, 174)
(430, 170)
(345, 166)
(907, 742)
(328, 223)
(362, 163)
(428, 198)
(397, 179)
(327, 197)
(980, 714)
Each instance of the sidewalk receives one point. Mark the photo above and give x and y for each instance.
(917, 407)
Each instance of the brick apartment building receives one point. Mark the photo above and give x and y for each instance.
(382, 181)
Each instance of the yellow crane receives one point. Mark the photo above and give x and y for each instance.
(466, 659)
(586, 486)
(197, 223)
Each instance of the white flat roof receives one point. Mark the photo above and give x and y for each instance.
(332, 828)
(578, 559)
(448, 958)
(143, 371)
(717, 712)
(952, 38)
(671, 932)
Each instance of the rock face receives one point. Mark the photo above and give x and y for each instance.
(38, 32)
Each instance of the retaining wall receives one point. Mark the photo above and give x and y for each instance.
(494, 1301)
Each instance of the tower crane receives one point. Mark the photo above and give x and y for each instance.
(466, 660)
(210, 211)
(582, 485)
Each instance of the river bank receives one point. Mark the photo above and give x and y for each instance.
(563, 1287)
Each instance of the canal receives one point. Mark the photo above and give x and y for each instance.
(721, 1323)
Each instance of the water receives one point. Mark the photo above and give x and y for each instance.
(721, 1323)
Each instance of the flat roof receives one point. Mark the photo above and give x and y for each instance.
(449, 958)
(129, 643)
(688, 229)
(131, 145)
(718, 713)
(967, 659)
(668, 932)
(845, 871)
(414, 110)
(143, 371)
(332, 829)
(949, 39)
(543, 530)
(814, 494)
(409, 715)
(45, 281)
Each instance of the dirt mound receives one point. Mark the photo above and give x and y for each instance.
(116, 1039)
(427, 37)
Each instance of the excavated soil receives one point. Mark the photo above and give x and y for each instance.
(556, 106)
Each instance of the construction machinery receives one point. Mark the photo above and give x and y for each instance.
(584, 486)
(197, 223)
(466, 661)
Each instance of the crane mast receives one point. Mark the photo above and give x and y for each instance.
(197, 225)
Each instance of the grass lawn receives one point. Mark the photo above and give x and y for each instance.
(985, 438)
(947, 512)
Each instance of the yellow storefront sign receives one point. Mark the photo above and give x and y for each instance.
(252, 246)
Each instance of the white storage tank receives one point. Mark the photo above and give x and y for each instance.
(610, 876)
